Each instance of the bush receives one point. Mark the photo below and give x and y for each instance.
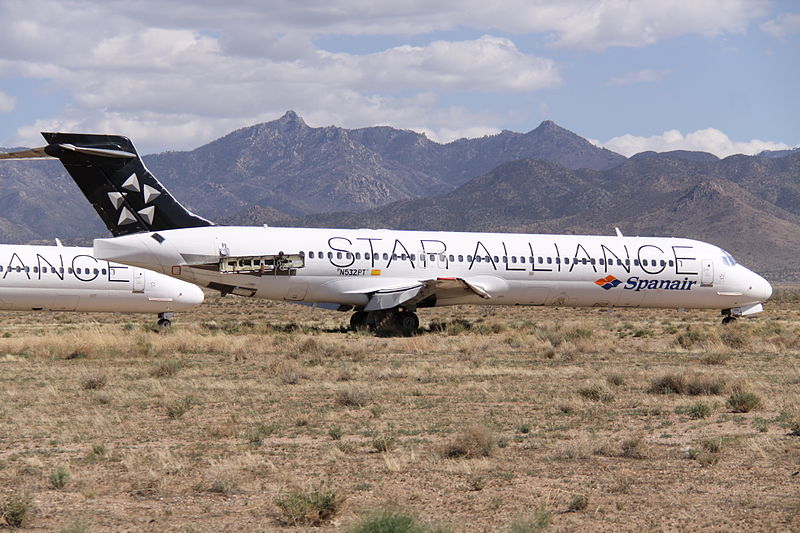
(94, 381)
(697, 410)
(597, 392)
(475, 441)
(389, 520)
(696, 385)
(18, 510)
(59, 477)
(353, 397)
(578, 503)
(538, 522)
(741, 401)
(167, 369)
(309, 508)
(634, 448)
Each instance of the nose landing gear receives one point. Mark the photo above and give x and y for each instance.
(164, 320)
(386, 322)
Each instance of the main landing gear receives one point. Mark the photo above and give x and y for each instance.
(164, 320)
(386, 322)
(728, 319)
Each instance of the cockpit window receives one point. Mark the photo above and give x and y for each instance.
(728, 258)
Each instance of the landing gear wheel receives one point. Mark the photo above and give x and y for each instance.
(358, 322)
(407, 322)
(164, 323)
(729, 319)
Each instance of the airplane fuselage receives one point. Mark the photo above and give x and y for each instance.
(61, 278)
(346, 267)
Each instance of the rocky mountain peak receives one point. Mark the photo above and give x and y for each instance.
(291, 120)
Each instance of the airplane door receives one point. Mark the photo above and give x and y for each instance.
(707, 273)
(138, 280)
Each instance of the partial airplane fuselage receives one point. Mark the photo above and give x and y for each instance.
(62, 278)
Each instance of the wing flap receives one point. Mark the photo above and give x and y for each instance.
(441, 288)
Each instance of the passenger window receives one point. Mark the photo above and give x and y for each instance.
(513, 258)
(550, 260)
(103, 271)
(385, 256)
(566, 260)
(505, 259)
(460, 258)
(635, 262)
(496, 259)
(663, 263)
(35, 270)
(330, 255)
(311, 255)
(413, 257)
(671, 263)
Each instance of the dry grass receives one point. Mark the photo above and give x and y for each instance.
(492, 419)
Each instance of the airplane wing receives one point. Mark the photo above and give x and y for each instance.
(440, 288)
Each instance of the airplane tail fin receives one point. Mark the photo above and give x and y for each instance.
(114, 179)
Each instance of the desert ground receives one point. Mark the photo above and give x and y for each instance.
(248, 415)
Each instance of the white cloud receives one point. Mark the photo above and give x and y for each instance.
(169, 70)
(7, 103)
(707, 140)
(784, 25)
(642, 76)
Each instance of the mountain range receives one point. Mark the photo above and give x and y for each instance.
(284, 172)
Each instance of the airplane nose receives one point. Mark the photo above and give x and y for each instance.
(759, 289)
(191, 295)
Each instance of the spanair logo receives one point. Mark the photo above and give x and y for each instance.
(608, 282)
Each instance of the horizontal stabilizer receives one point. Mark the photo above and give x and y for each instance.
(33, 153)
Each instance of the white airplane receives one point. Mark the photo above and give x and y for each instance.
(386, 275)
(61, 278)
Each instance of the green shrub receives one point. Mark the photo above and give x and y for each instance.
(389, 520)
(741, 401)
(59, 477)
(695, 410)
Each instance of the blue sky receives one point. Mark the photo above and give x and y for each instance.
(718, 75)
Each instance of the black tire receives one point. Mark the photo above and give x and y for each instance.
(358, 322)
(164, 323)
(407, 322)
(729, 320)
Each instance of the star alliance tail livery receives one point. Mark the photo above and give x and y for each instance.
(384, 276)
